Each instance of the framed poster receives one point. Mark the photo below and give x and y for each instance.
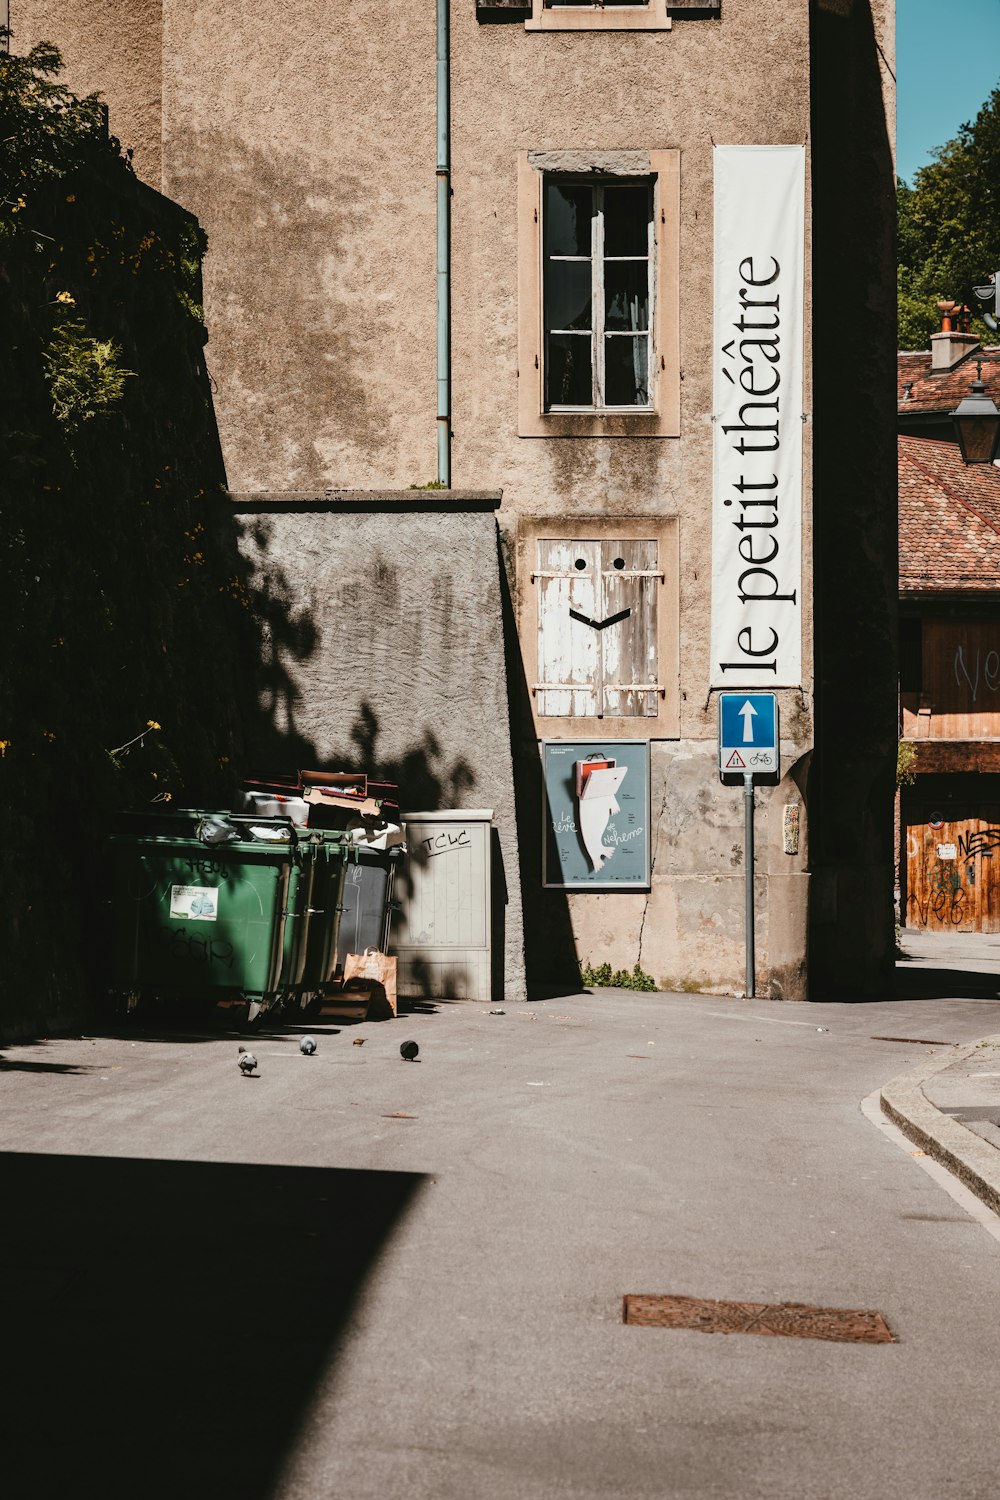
(595, 833)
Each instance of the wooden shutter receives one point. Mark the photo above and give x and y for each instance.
(567, 649)
(629, 648)
(587, 668)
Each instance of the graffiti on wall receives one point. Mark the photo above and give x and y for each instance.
(950, 875)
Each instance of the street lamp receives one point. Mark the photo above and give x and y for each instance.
(977, 423)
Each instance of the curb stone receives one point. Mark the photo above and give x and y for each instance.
(973, 1160)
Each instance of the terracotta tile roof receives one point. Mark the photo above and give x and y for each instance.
(949, 520)
(944, 390)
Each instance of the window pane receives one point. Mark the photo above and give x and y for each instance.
(626, 295)
(627, 212)
(568, 212)
(567, 294)
(569, 377)
(626, 374)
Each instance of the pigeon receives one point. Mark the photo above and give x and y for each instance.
(307, 1045)
(408, 1051)
(247, 1062)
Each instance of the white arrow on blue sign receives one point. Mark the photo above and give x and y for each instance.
(748, 733)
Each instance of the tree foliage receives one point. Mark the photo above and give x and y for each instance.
(129, 634)
(949, 227)
(45, 130)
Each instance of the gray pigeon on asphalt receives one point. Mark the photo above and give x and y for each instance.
(307, 1045)
(247, 1062)
(408, 1051)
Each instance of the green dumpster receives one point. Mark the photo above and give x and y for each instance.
(194, 919)
(313, 910)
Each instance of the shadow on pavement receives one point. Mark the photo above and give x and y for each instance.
(165, 1323)
(23, 1065)
(914, 981)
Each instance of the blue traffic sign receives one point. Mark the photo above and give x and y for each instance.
(748, 733)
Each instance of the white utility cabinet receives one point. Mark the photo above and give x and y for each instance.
(443, 906)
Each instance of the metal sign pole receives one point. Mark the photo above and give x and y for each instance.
(748, 878)
(748, 745)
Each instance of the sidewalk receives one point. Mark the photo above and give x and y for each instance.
(950, 1104)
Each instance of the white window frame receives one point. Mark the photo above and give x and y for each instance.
(643, 15)
(597, 261)
(661, 418)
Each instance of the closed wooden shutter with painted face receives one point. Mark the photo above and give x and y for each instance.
(597, 638)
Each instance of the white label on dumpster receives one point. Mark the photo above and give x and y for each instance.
(196, 903)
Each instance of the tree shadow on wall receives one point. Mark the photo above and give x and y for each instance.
(288, 274)
(424, 779)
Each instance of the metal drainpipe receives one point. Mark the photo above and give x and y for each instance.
(443, 249)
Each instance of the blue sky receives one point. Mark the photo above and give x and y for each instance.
(947, 62)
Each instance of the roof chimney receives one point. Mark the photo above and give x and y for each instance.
(954, 342)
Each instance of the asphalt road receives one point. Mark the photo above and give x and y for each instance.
(357, 1277)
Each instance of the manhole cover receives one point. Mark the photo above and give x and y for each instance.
(794, 1320)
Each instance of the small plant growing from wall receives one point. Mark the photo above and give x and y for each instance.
(604, 977)
(906, 764)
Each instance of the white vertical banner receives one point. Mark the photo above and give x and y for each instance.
(757, 418)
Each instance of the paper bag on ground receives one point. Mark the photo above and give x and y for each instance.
(372, 968)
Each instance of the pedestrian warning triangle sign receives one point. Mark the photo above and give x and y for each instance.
(735, 762)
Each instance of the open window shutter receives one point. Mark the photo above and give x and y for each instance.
(630, 668)
(567, 649)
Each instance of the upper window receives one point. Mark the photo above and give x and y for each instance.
(601, 15)
(597, 294)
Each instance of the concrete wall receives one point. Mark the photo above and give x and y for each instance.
(306, 147)
(387, 655)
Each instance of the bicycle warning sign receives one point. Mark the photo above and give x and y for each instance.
(748, 734)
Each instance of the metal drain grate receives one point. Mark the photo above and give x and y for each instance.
(793, 1320)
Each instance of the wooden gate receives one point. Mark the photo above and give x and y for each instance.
(953, 870)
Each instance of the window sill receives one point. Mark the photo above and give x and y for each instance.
(652, 17)
(552, 424)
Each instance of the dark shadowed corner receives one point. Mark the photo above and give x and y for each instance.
(550, 957)
(855, 513)
(167, 1322)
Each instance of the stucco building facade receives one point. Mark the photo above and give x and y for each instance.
(581, 258)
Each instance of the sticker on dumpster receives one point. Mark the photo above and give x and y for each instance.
(196, 903)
